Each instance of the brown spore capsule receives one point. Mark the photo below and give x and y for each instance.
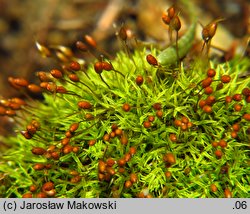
(75, 66)
(98, 67)
(107, 66)
(56, 73)
(35, 89)
(38, 151)
(84, 105)
(151, 60)
(90, 40)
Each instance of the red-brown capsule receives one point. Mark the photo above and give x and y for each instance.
(33, 188)
(114, 127)
(2, 110)
(121, 162)
(26, 134)
(234, 134)
(213, 188)
(159, 113)
(84, 105)
(133, 177)
(41, 195)
(68, 134)
(48, 186)
(151, 118)
(67, 149)
(126, 107)
(237, 107)
(228, 99)
(60, 89)
(36, 124)
(101, 176)
(90, 40)
(214, 144)
(168, 174)
(236, 127)
(27, 195)
(18, 100)
(31, 129)
(175, 23)
(81, 46)
(127, 157)
(98, 67)
(51, 193)
(184, 119)
(118, 132)
(211, 72)
(208, 109)
(177, 122)
(237, 97)
(128, 184)
(75, 179)
(73, 77)
(247, 99)
(38, 166)
(209, 31)
(21, 82)
(75, 66)
(56, 73)
(146, 124)
(219, 86)
(124, 140)
(12, 83)
(157, 106)
(38, 151)
(227, 193)
(123, 33)
(165, 18)
(210, 100)
(14, 106)
(106, 137)
(225, 78)
(132, 150)
(222, 143)
(35, 89)
(169, 158)
(110, 170)
(107, 66)
(206, 82)
(51, 87)
(10, 112)
(139, 80)
(91, 142)
(43, 76)
(75, 149)
(112, 134)
(55, 155)
(151, 60)
(73, 127)
(110, 162)
(89, 116)
(171, 12)
(44, 85)
(173, 137)
(246, 116)
(246, 92)
(101, 166)
(218, 154)
(208, 90)
(184, 127)
(202, 103)
(121, 169)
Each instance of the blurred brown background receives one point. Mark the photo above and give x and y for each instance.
(22, 22)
